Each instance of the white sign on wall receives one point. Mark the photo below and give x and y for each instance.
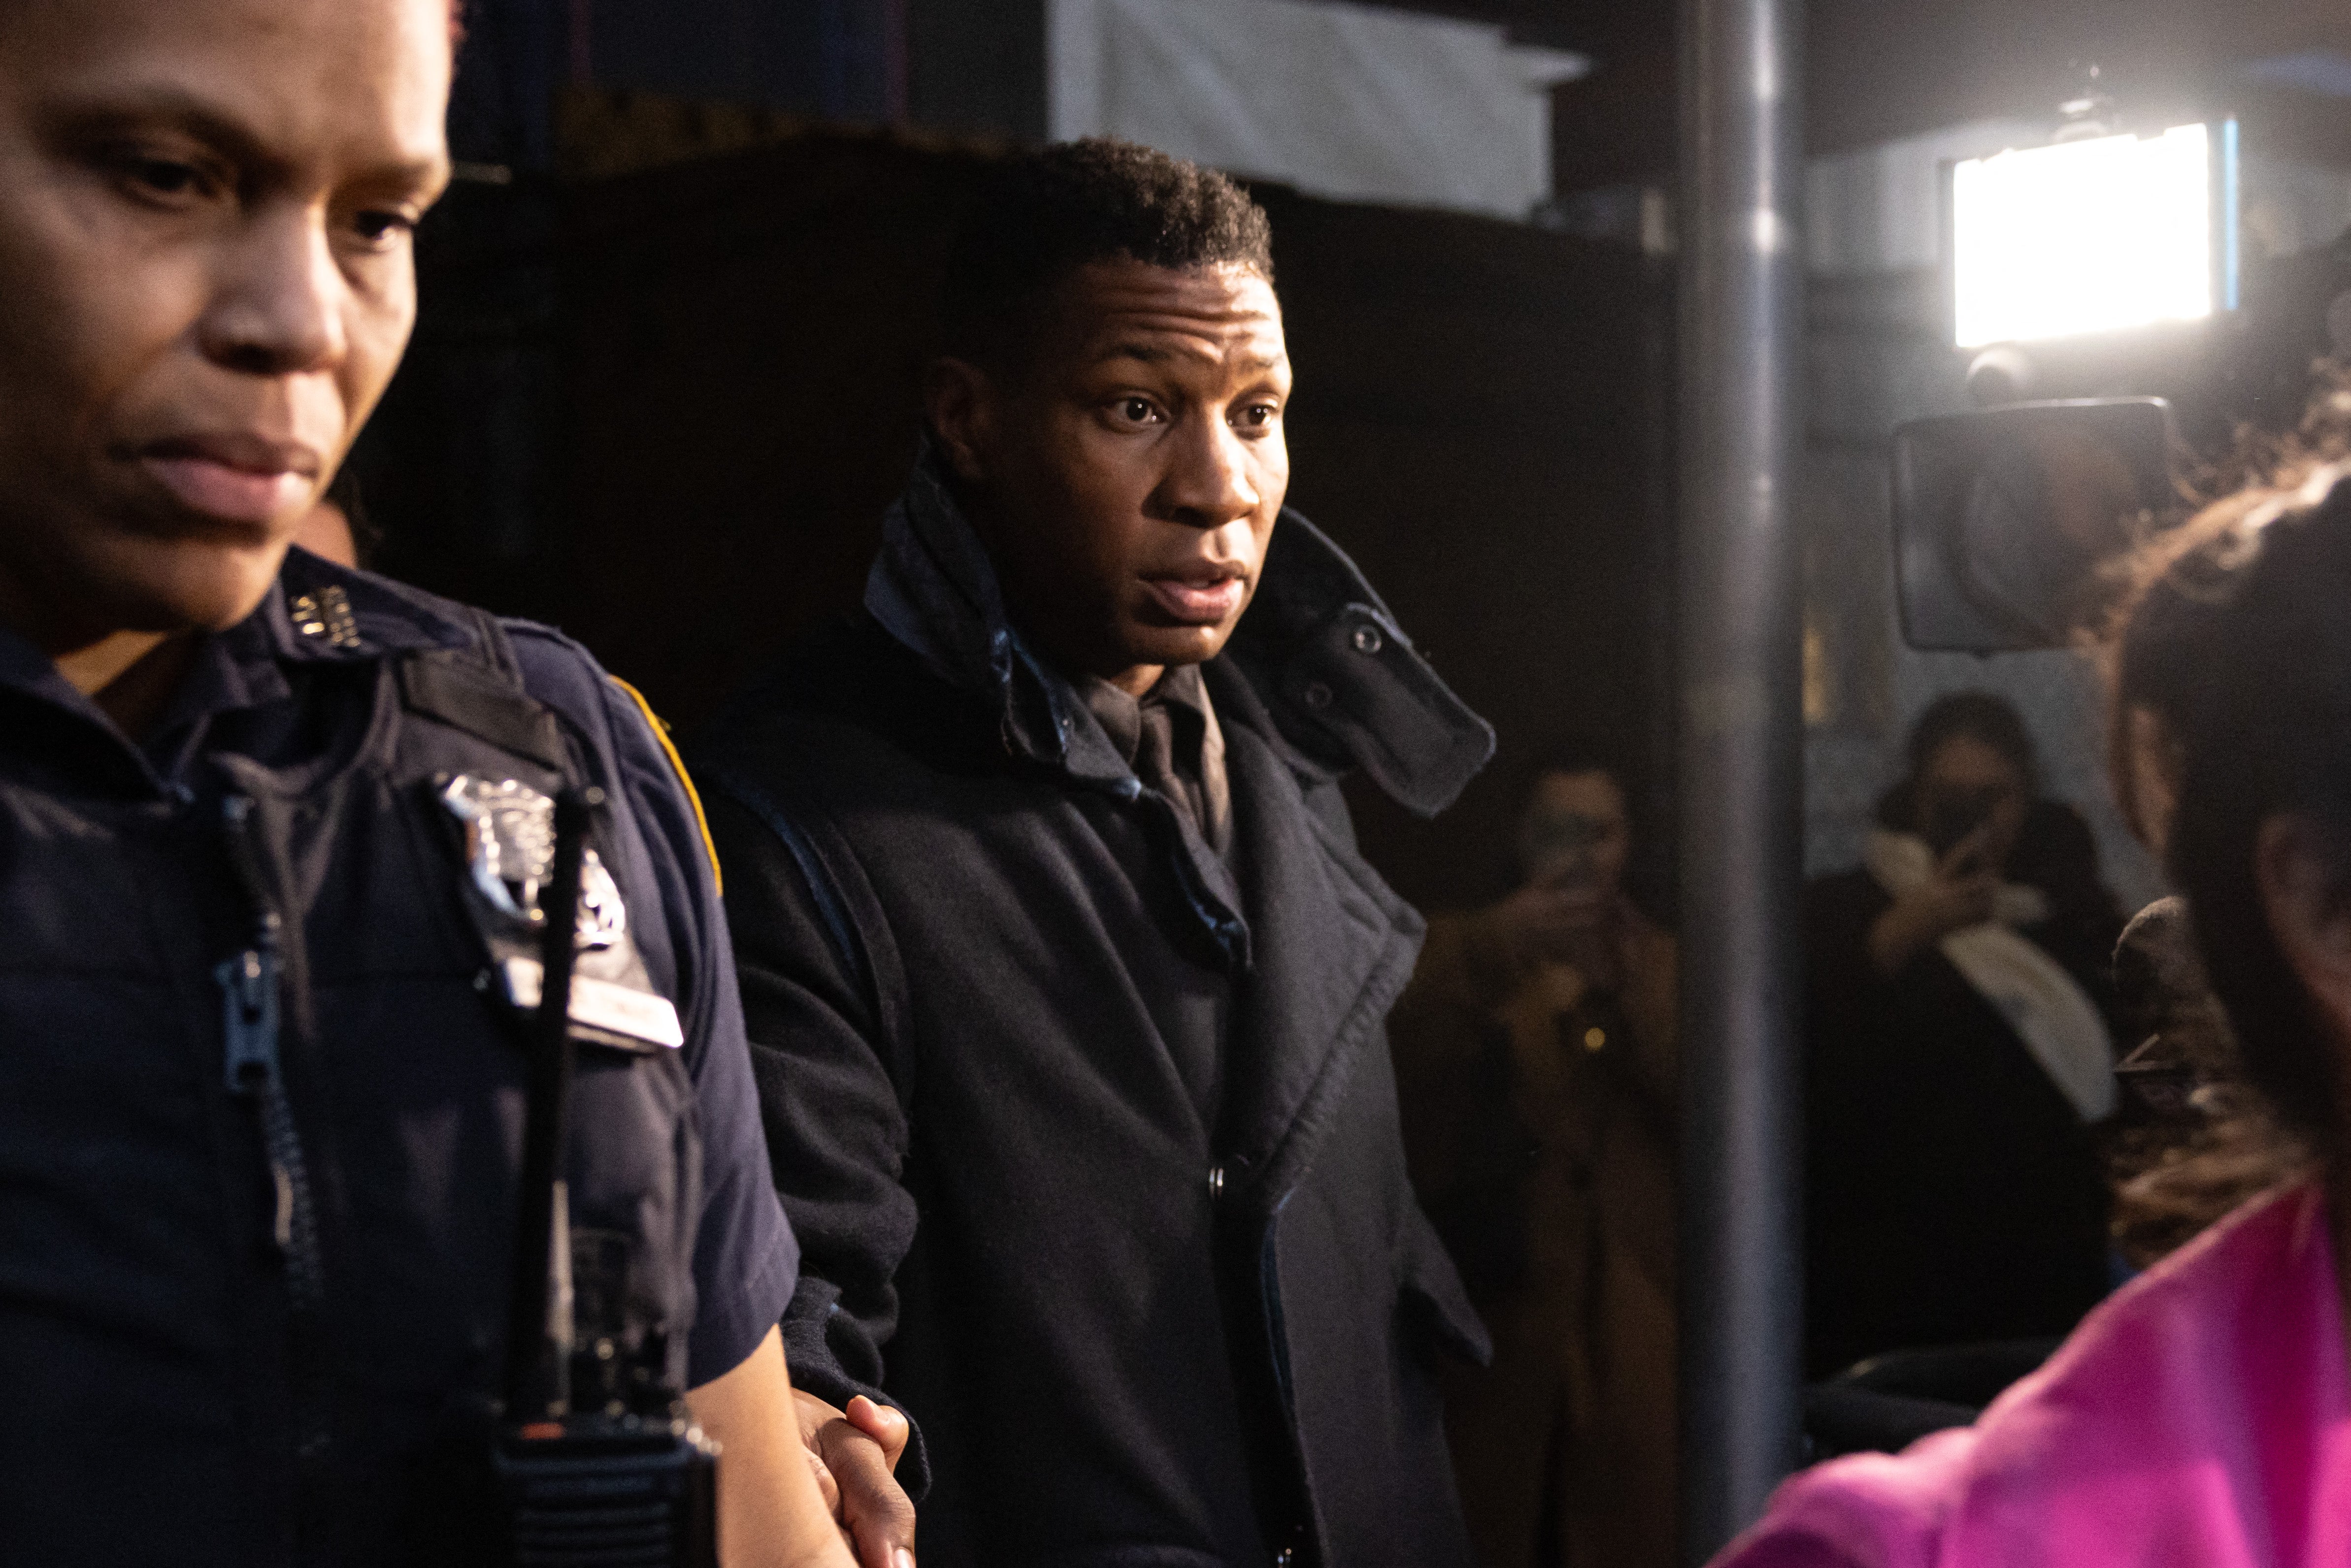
(1344, 101)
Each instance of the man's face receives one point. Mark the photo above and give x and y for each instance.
(205, 283)
(1129, 475)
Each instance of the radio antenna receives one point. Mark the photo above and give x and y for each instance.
(539, 1331)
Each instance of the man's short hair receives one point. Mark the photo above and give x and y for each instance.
(1048, 213)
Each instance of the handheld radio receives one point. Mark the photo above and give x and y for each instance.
(633, 1482)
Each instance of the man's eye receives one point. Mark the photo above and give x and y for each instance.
(1137, 410)
(1257, 415)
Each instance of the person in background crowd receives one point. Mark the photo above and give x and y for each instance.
(263, 826)
(2192, 1139)
(1065, 976)
(1534, 1055)
(1958, 1055)
(2203, 1414)
(2195, 1139)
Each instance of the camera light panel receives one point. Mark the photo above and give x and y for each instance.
(2094, 235)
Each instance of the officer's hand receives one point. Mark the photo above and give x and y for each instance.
(769, 1514)
(855, 1453)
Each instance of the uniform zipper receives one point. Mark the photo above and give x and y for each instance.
(249, 991)
(250, 984)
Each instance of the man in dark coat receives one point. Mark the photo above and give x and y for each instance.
(1065, 979)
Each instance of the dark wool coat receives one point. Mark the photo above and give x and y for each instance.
(1131, 1329)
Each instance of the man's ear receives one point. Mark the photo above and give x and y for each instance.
(959, 401)
(2298, 863)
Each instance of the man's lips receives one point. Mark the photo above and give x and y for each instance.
(1202, 599)
(235, 477)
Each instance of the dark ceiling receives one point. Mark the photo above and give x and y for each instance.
(1876, 69)
(1879, 69)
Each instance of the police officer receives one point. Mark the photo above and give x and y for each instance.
(273, 836)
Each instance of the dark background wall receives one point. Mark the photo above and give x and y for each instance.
(665, 410)
(661, 396)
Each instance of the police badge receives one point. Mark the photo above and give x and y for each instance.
(508, 836)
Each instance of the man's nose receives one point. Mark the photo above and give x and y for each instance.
(278, 297)
(1209, 482)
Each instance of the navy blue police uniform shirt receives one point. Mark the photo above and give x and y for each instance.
(150, 1370)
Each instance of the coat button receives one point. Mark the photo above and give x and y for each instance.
(1216, 1183)
(1317, 695)
(1368, 640)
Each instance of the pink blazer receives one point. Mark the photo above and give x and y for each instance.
(2200, 1418)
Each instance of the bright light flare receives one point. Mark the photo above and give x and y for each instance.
(2085, 236)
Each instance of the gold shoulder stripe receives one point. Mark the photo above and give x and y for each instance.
(677, 765)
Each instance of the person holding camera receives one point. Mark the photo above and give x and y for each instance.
(1960, 1052)
(2199, 1416)
(1535, 1064)
(275, 871)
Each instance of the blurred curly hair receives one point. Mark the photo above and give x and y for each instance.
(2235, 640)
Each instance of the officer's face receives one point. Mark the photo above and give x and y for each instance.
(205, 282)
(1130, 471)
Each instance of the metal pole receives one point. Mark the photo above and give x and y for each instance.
(1742, 758)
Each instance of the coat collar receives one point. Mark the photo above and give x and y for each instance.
(1336, 678)
(319, 612)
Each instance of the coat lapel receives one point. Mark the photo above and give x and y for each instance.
(1335, 946)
